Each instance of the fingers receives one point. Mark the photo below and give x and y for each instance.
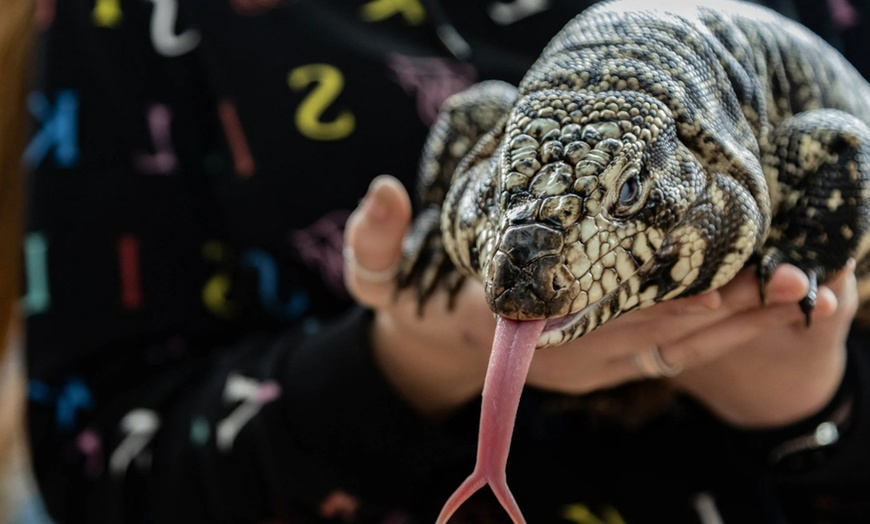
(691, 332)
(843, 286)
(838, 299)
(373, 241)
(787, 286)
(710, 343)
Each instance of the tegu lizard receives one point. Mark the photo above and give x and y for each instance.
(651, 152)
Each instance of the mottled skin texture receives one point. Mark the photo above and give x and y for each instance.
(646, 155)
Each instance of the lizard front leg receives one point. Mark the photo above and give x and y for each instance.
(466, 133)
(817, 164)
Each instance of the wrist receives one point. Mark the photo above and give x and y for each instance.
(779, 395)
(430, 378)
(809, 442)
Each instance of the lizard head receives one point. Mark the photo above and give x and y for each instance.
(594, 193)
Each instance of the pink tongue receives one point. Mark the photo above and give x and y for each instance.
(512, 352)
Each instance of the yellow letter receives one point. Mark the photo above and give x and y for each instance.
(581, 514)
(378, 10)
(107, 13)
(330, 83)
(214, 293)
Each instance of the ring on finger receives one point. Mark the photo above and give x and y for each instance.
(651, 364)
(364, 273)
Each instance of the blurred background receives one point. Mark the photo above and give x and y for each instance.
(190, 165)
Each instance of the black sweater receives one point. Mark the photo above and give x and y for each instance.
(321, 433)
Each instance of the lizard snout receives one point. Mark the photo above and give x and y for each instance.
(527, 277)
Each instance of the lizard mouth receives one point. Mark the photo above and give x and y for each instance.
(621, 299)
(559, 324)
(560, 329)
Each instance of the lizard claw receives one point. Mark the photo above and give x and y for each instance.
(808, 303)
(425, 265)
(767, 264)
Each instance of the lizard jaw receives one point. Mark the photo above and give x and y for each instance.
(558, 328)
(561, 330)
(625, 297)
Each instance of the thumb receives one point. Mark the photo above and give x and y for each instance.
(373, 241)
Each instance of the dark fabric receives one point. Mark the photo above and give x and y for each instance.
(193, 355)
(328, 436)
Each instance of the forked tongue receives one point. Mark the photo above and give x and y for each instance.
(509, 362)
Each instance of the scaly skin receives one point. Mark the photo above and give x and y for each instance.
(647, 155)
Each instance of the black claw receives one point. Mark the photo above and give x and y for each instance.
(765, 268)
(454, 283)
(762, 289)
(767, 264)
(425, 265)
(807, 307)
(808, 303)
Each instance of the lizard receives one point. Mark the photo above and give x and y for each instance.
(651, 152)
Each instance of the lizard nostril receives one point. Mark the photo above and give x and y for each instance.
(562, 279)
(526, 243)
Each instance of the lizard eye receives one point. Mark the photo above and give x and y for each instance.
(628, 194)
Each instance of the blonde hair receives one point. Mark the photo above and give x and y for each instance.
(16, 22)
(16, 25)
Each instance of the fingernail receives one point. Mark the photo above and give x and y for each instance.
(376, 202)
(851, 264)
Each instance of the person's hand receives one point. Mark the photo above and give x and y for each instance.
(745, 361)
(753, 365)
(437, 361)
(772, 369)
